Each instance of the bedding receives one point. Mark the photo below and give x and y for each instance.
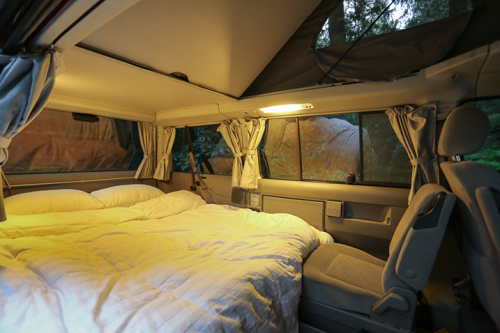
(50, 201)
(126, 195)
(172, 263)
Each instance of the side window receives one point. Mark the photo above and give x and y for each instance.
(352, 17)
(384, 158)
(279, 150)
(490, 153)
(211, 150)
(55, 142)
(331, 147)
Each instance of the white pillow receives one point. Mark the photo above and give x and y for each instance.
(52, 201)
(126, 195)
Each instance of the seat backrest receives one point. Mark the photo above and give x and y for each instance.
(417, 238)
(463, 133)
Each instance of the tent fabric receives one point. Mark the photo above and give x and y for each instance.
(25, 87)
(231, 132)
(163, 169)
(416, 130)
(243, 139)
(389, 56)
(374, 58)
(148, 137)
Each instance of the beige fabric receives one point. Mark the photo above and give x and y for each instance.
(147, 134)
(484, 266)
(231, 132)
(163, 169)
(253, 131)
(343, 277)
(416, 129)
(243, 138)
(464, 132)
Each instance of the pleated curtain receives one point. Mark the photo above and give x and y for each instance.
(164, 165)
(243, 138)
(231, 132)
(148, 137)
(25, 86)
(416, 130)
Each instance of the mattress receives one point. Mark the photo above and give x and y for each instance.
(170, 264)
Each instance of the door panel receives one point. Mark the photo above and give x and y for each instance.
(366, 215)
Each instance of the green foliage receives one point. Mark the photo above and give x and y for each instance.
(206, 145)
(490, 154)
(359, 14)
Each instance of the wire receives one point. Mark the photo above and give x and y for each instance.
(356, 42)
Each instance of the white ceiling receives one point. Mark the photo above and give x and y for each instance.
(221, 44)
(95, 78)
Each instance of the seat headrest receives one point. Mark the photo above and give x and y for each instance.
(464, 131)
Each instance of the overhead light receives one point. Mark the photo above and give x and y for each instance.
(286, 108)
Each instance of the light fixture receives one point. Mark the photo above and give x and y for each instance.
(286, 108)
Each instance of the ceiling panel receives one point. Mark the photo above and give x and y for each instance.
(221, 44)
(97, 78)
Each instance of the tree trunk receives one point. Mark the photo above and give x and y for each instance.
(336, 27)
(457, 6)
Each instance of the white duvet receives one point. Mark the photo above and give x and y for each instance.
(167, 264)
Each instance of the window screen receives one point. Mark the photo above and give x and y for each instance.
(211, 150)
(490, 153)
(328, 148)
(384, 158)
(352, 17)
(55, 142)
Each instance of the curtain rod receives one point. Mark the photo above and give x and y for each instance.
(71, 182)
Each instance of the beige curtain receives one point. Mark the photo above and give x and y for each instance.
(231, 132)
(253, 131)
(148, 136)
(416, 130)
(243, 138)
(25, 86)
(163, 168)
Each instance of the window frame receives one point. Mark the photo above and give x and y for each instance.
(360, 147)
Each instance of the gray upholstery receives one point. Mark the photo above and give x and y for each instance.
(483, 263)
(350, 279)
(343, 277)
(464, 131)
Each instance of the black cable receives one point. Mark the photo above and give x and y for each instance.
(353, 44)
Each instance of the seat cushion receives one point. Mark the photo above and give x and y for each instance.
(343, 277)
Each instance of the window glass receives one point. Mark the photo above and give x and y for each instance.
(279, 149)
(352, 17)
(384, 158)
(490, 153)
(211, 150)
(55, 142)
(330, 147)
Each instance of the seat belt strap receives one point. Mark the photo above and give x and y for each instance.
(204, 189)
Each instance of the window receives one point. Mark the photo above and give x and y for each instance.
(55, 142)
(211, 150)
(490, 153)
(328, 148)
(352, 17)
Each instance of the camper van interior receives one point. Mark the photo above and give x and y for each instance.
(250, 166)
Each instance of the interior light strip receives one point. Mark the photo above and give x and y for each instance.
(286, 108)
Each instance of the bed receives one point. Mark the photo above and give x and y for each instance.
(170, 263)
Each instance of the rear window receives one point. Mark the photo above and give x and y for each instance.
(352, 17)
(211, 150)
(55, 142)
